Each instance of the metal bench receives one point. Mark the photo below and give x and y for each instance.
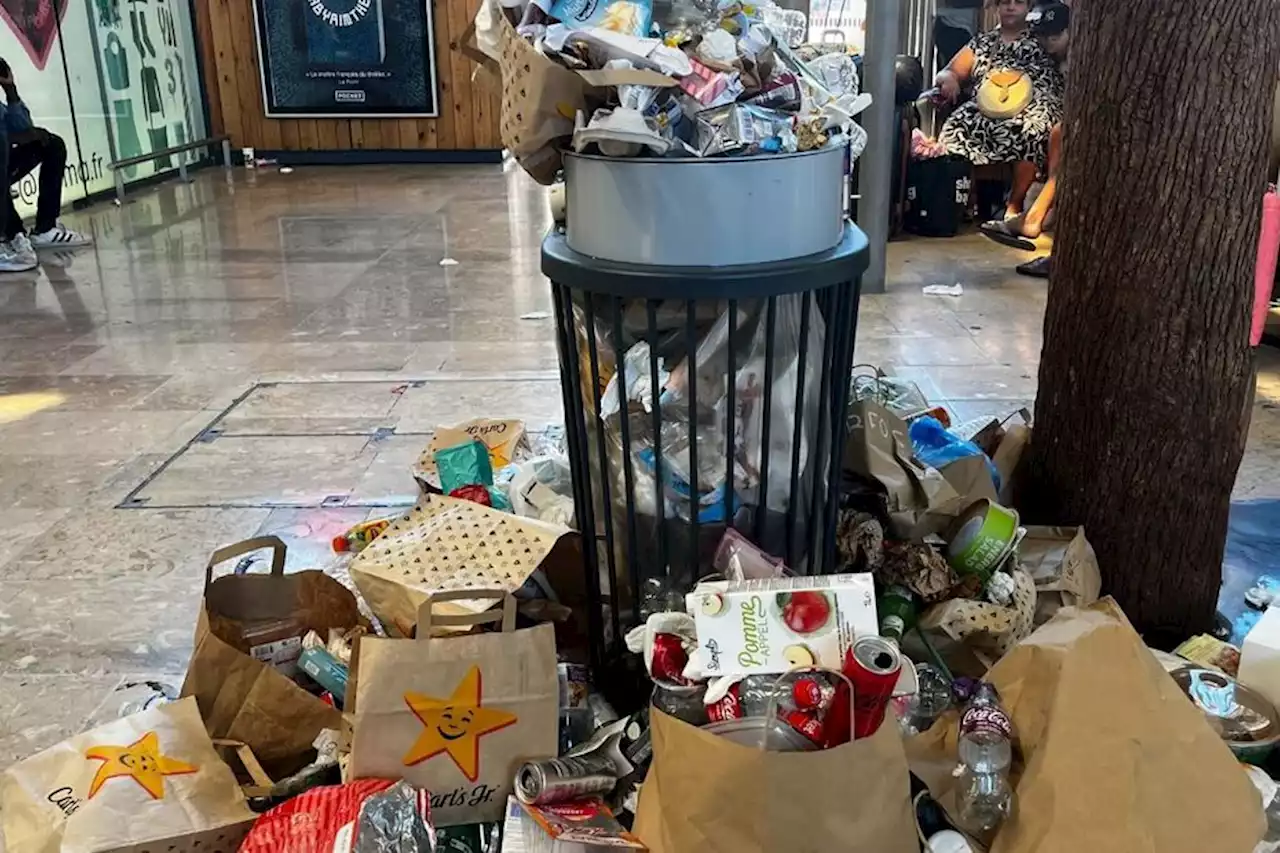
(179, 150)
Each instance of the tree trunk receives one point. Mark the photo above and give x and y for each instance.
(1145, 377)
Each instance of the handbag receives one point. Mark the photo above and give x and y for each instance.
(1004, 93)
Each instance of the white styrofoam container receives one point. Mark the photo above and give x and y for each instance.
(1260, 657)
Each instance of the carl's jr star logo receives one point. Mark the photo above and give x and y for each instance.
(141, 761)
(455, 725)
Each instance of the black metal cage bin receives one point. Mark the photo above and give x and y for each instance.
(698, 399)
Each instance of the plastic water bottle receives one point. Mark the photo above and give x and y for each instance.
(986, 751)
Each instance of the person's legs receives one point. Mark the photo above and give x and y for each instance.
(53, 165)
(23, 158)
(1034, 223)
(1024, 175)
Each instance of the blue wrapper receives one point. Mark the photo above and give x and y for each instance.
(630, 17)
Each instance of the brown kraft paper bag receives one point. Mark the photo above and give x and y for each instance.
(920, 500)
(147, 783)
(247, 700)
(1115, 759)
(456, 715)
(706, 794)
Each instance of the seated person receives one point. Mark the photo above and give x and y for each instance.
(29, 146)
(1049, 23)
(983, 140)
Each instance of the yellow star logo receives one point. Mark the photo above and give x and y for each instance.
(140, 760)
(454, 725)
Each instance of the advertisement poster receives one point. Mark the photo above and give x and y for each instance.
(346, 58)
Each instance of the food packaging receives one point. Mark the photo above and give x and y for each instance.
(760, 626)
(582, 826)
(277, 643)
(1245, 719)
(630, 17)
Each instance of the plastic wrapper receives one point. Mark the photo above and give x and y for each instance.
(738, 559)
(741, 129)
(314, 821)
(630, 17)
(396, 821)
(710, 86)
(780, 92)
(789, 26)
(636, 370)
(837, 72)
(464, 465)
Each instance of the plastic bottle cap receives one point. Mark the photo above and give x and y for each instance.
(949, 841)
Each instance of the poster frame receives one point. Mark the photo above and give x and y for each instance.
(260, 47)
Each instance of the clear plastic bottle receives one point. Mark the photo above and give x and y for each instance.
(986, 751)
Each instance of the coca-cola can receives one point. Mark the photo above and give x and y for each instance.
(808, 724)
(872, 665)
(728, 707)
(812, 694)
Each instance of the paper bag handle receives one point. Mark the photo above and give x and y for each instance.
(262, 783)
(227, 552)
(427, 618)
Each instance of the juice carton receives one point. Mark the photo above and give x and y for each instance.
(776, 624)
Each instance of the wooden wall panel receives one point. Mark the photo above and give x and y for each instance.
(228, 44)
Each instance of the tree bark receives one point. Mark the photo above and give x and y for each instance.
(1145, 377)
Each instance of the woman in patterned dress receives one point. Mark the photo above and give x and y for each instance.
(983, 140)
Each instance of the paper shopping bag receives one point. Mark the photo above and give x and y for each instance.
(1064, 567)
(918, 498)
(539, 102)
(456, 715)
(147, 783)
(445, 544)
(1115, 757)
(243, 691)
(706, 794)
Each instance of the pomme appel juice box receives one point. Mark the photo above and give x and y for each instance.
(764, 626)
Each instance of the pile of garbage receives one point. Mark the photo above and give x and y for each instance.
(692, 78)
(956, 686)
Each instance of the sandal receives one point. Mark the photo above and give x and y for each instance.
(1007, 232)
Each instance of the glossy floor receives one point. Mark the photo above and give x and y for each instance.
(268, 353)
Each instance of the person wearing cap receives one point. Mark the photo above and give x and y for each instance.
(1049, 23)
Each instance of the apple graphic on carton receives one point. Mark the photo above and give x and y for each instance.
(804, 612)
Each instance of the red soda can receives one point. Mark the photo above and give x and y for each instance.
(729, 707)
(872, 665)
(812, 694)
(669, 659)
(806, 723)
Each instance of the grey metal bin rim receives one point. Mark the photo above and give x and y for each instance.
(844, 262)
(695, 161)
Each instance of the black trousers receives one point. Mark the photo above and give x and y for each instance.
(17, 161)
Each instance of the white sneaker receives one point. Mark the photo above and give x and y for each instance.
(60, 237)
(12, 260)
(23, 247)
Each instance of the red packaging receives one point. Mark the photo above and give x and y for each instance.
(728, 708)
(317, 821)
(669, 659)
(872, 664)
(807, 724)
(474, 493)
(812, 694)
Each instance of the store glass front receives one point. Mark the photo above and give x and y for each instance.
(113, 78)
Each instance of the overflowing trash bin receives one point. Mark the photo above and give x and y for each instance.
(699, 399)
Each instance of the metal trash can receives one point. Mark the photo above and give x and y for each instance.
(697, 399)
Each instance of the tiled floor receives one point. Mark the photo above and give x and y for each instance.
(267, 353)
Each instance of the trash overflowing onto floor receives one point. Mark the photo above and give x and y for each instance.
(956, 686)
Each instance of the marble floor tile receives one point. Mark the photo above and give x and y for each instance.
(486, 356)
(432, 403)
(314, 408)
(129, 623)
(38, 711)
(85, 393)
(100, 433)
(256, 471)
(151, 358)
(335, 356)
(118, 543)
(308, 535)
(47, 482)
(389, 479)
(21, 527)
